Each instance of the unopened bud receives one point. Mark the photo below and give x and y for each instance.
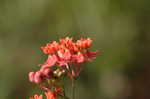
(47, 72)
(31, 76)
(59, 72)
(38, 77)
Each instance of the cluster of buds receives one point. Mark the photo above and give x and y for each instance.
(41, 75)
(66, 56)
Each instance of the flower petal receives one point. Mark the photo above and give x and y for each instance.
(50, 61)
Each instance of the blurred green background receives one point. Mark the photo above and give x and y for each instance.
(119, 28)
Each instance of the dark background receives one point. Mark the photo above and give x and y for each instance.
(119, 28)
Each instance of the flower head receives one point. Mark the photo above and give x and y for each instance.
(66, 51)
(64, 58)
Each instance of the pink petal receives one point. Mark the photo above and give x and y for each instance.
(80, 58)
(67, 55)
(90, 54)
(64, 55)
(50, 61)
(31, 76)
(38, 77)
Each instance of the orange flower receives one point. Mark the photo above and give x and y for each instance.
(67, 56)
(36, 97)
(84, 43)
(50, 95)
(50, 48)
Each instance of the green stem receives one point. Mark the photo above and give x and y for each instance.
(73, 88)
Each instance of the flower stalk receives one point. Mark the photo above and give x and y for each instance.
(73, 88)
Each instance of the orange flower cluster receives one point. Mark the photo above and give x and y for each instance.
(67, 44)
(66, 52)
(66, 56)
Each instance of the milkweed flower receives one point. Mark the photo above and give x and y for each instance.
(65, 57)
(67, 52)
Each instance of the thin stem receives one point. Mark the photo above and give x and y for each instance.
(73, 88)
(64, 92)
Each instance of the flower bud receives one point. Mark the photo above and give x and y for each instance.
(38, 77)
(47, 72)
(31, 76)
(58, 90)
(59, 72)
